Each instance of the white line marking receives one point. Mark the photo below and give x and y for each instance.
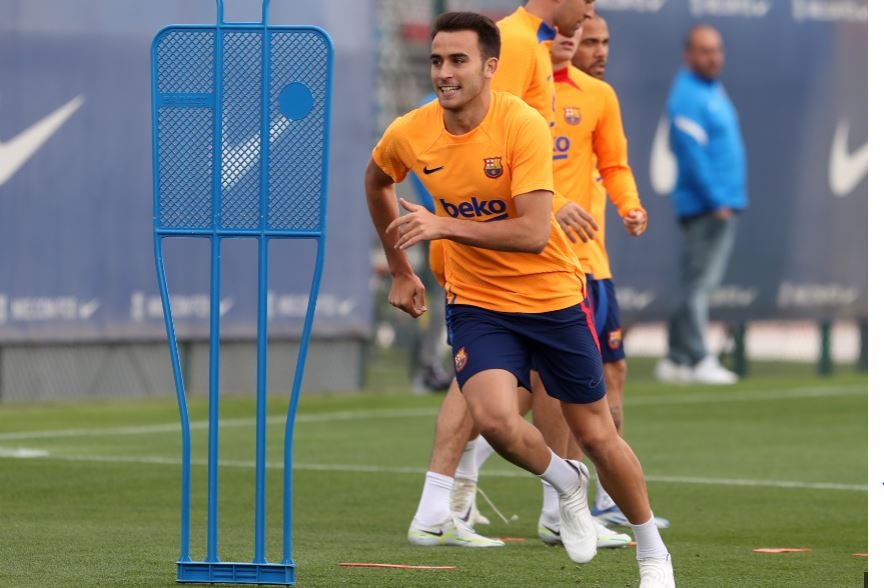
(22, 453)
(347, 415)
(372, 469)
(747, 396)
(353, 415)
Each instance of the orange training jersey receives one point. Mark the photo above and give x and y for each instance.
(474, 177)
(525, 67)
(589, 134)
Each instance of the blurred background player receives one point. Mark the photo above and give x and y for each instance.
(709, 194)
(516, 292)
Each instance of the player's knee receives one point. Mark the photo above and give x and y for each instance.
(597, 442)
(496, 428)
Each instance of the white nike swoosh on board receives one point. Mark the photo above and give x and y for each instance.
(237, 160)
(846, 169)
(17, 151)
(663, 166)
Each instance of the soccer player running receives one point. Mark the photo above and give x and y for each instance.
(525, 70)
(589, 128)
(515, 289)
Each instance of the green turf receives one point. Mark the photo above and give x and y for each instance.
(91, 515)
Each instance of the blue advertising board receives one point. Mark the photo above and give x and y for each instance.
(796, 71)
(76, 256)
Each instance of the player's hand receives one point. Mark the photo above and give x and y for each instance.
(407, 293)
(418, 225)
(576, 222)
(636, 221)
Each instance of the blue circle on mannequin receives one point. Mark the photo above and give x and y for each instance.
(296, 101)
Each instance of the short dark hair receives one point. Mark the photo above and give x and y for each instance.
(484, 27)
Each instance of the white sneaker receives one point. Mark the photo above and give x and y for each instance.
(577, 529)
(452, 532)
(608, 538)
(656, 572)
(549, 533)
(672, 373)
(709, 371)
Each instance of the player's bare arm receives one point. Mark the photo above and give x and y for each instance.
(527, 232)
(407, 292)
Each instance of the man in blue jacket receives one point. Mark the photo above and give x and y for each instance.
(709, 194)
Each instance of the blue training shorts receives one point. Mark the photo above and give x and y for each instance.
(561, 345)
(607, 319)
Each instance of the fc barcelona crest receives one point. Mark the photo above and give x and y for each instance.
(572, 115)
(615, 338)
(460, 359)
(493, 167)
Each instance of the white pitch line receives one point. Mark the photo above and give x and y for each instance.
(352, 415)
(373, 469)
(348, 415)
(747, 396)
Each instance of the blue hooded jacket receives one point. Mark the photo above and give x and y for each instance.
(704, 135)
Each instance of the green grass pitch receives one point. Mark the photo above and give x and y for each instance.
(89, 491)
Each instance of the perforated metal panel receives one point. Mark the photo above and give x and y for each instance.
(293, 197)
(220, 166)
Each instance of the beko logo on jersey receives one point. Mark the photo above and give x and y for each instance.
(561, 146)
(475, 208)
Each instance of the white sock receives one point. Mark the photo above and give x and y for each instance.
(560, 475)
(433, 509)
(602, 499)
(483, 451)
(466, 467)
(648, 541)
(549, 513)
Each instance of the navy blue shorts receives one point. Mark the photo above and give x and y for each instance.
(607, 319)
(561, 345)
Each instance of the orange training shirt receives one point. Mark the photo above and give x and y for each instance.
(474, 177)
(589, 135)
(525, 67)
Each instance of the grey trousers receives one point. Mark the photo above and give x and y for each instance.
(708, 242)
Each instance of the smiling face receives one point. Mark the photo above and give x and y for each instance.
(458, 70)
(592, 53)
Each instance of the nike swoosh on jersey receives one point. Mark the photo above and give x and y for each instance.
(433, 170)
(663, 166)
(846, 169)
(17, 151)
